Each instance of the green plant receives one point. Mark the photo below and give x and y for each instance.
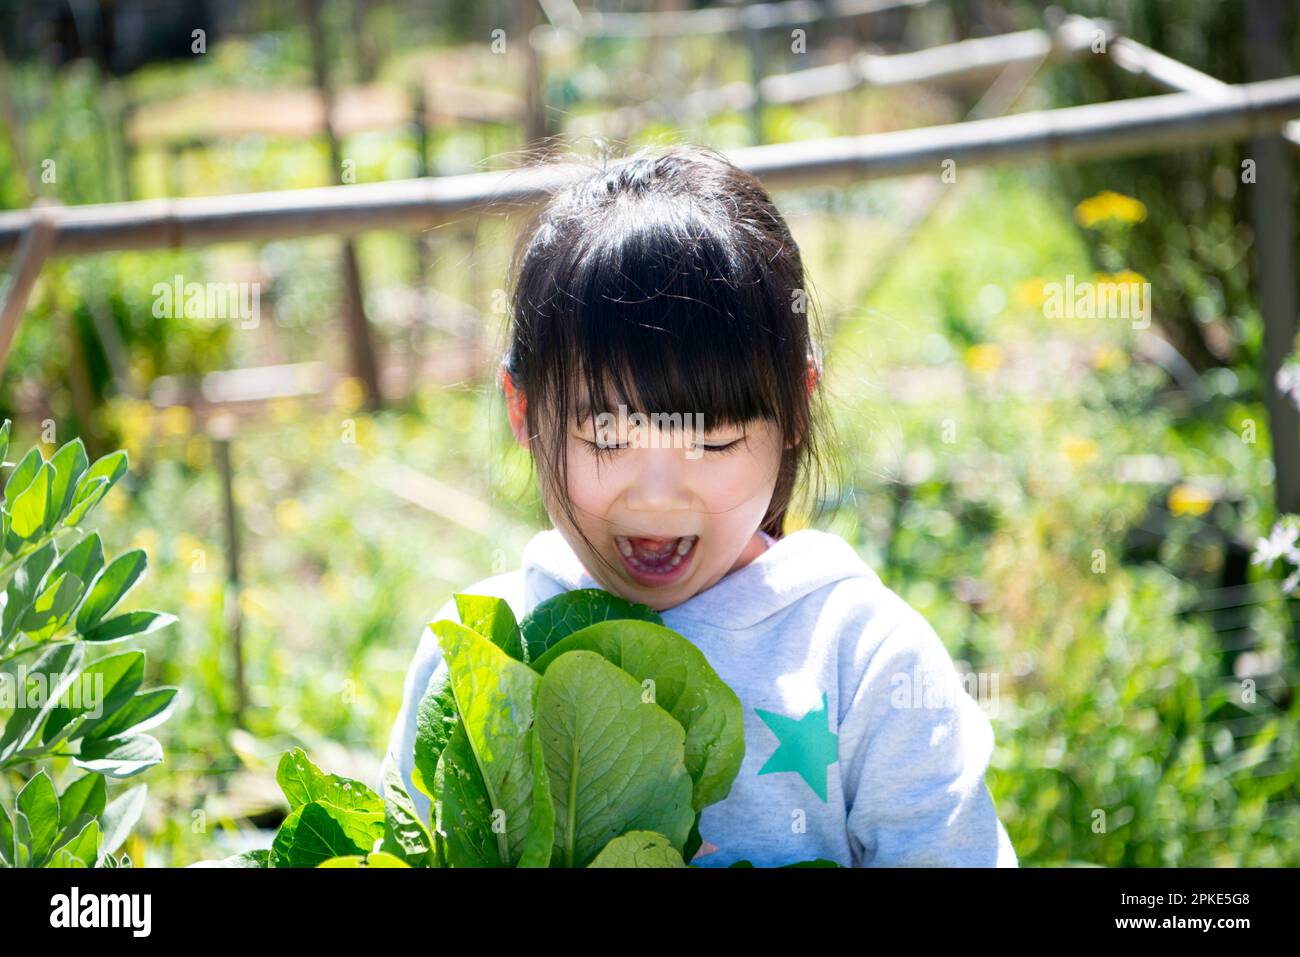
(589, 735)
(58, 593)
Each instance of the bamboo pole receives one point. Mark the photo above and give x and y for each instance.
(1140, 60)
(754, 47)
(714, 20)
(222, 432)
(1145, 125)
(950, 63)
(538, 123)
(361, 347)
(34, 248)
(1074, 134)
(1272, 206)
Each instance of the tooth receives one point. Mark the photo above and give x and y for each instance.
(685, 544)
(624, 546)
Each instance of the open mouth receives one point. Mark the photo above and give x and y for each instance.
(656, 561)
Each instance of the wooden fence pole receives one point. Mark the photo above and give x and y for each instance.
(1141, 60)
(754, 44)
(1140, 126)
(730, 19)
(1273, 213)
(34, 248)
(421, 242)
(538, 125)
(222, 431)
(361, 346)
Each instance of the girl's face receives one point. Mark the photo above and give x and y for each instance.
(672, 511)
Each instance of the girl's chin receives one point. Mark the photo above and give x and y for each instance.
(656, 599)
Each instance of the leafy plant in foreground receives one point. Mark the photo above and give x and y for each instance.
(58, 593)
(588, 735)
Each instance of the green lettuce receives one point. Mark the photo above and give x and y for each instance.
(587, 735)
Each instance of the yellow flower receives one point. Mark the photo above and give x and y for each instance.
(985, 357)
(334, 587)
(1126, 277)
(175, 420)
(147, 539)
(1109, 358)
(1078, 451)
(1189, 500)
(356, 430)
(289, 514)
(253, 603)
(1109, 205)
(287, 408)
(1030, 294)
(133, 419)
(191, 554)
(199, 595)
(198, 452)
(142, 369)
(349, 394)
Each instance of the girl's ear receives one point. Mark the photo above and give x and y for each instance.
(516, 408)
(811, 378)
(813, 375)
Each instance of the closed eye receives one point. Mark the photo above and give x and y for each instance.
(601, 449)
(604, 449)
(728, 447)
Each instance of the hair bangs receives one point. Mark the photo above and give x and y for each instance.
(663, 317)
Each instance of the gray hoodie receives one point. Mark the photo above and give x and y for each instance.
(863, 745)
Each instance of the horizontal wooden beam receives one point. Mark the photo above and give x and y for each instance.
(716, 20)
(1171, 74)
(962, 62)
(1152, 124)
(1146, 125)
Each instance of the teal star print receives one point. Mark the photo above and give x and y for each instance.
(807, 746)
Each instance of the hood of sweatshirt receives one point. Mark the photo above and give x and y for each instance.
(790, 569)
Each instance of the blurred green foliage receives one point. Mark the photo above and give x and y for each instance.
(1067, 519)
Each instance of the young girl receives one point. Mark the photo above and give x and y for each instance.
(667, 284)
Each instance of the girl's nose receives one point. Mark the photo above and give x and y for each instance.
(659, 484)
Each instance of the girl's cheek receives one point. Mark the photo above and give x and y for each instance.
(588, 488)
(738, 485)
(736, 479)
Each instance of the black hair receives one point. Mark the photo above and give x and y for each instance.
(670, 275)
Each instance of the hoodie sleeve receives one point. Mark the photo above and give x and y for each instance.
(914, 750)
(401, 742)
